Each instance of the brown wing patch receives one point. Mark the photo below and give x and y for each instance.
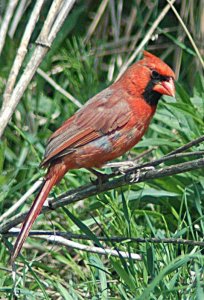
(105, 116)
(56, 145)
(102, 114)
(62, 128)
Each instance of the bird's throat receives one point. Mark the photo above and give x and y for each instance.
(150, 96)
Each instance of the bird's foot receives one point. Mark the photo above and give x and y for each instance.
(135, 174)
(101, 178)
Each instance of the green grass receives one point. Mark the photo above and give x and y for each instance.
(170, 207)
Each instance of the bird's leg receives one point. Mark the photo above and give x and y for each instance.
(121, 167)
(101, 178)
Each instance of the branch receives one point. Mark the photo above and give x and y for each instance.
(18, 16)
(118, 239)
(91, 190)
(188, 145)
(131, 165)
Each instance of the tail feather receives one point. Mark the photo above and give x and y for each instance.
(32, 214)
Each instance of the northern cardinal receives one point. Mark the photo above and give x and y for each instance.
(107, 126)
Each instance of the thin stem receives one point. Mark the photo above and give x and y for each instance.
(96, 20)
(14, 207)
(58, 87)
(92, 249)
(22, 51)
(188, 145)
(187, 32)
(6, 20)
(48, 33)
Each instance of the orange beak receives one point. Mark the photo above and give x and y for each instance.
(165, 87)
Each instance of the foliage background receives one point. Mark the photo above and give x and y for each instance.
(168, 207)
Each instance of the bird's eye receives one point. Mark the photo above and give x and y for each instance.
(155, 75)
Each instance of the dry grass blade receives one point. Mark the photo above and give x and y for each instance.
(146, 38)
(58, 87)
(96, 20)
(187, 32)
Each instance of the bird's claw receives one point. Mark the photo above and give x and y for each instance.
(135, 174)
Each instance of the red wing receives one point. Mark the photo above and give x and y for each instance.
(101, 115)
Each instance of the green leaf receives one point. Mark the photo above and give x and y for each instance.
(126, 277)
(83, 227)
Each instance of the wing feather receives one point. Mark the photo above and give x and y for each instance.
(103, 114)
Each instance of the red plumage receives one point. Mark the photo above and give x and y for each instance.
(107, 126)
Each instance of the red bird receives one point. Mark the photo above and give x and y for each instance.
(107, 126)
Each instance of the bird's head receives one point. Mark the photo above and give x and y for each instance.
(160, 78)
(151, 78)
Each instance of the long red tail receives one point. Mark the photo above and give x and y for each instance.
(33, 213)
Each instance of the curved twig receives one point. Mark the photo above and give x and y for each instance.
(91, 190)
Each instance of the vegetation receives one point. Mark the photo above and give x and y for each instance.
(83, 62)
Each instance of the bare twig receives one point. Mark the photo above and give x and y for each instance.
(48, 33)
(181, 35)
(126, 39)
(52, 14)
(187, 146)
(146, 38)
(116, 239)
(5, 23)
(102, 251)
(131, 22)
(130, 165)
(91, 190)
(14, 207)
(167, 157)
(58, 87)
(115, 24)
